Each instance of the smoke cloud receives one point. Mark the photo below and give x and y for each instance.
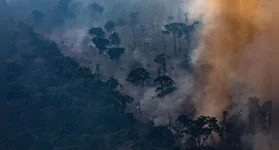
(236, 57)
(73, 39)
(237, 46)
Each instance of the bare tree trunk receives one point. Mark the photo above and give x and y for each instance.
(174, 43)
(179, 45)
(188, 41)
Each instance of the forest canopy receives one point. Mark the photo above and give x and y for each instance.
(112, 76)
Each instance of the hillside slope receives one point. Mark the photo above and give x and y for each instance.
(52, 102)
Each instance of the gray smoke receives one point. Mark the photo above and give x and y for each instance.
(74, 41)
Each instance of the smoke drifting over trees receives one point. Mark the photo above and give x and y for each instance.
(169, 64)
(139, 25)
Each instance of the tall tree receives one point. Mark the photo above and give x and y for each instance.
(101, 44)
(179, 36)
(199, 129)
(99, 39)
(166, 85)
(115, 53)
(176, 30)
(138, 76)
(165, 33)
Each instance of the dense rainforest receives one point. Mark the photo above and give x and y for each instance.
(51, 101)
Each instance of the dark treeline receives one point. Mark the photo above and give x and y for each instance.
(51, 102)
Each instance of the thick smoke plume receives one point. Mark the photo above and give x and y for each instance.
(235, 59)
(237, 46)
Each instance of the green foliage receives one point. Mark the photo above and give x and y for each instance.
(53, 103)
(115, 52)
(199, 129)
(178, 30)
(166, 85)
(175, 28)
(101, 43)
(138, 76)
(97, 31)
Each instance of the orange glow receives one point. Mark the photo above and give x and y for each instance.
(239, 43)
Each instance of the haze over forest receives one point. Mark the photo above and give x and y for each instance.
(138, 74)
